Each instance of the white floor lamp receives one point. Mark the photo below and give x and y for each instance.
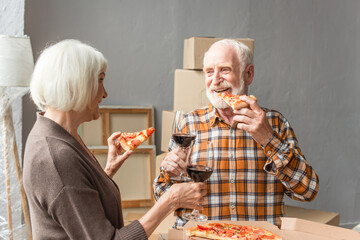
(16, 66)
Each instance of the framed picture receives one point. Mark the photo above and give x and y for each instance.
(117, 118)
(134, 177)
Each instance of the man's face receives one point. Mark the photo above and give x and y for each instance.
(222, 73)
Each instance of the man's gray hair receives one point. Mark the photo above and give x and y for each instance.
(244, 53)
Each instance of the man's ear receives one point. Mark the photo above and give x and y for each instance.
(249, 74)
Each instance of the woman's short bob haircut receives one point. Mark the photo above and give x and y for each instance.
(66, 76)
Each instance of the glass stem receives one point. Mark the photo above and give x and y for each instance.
(195, 212)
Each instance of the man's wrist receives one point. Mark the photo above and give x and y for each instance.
(164, 174)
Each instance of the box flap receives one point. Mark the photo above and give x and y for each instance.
(318, 229)
(314, 215)
(294, 235)
(174, 234)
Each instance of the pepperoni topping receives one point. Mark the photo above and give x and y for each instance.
(202, 227)
(135, 142)
(150, 131)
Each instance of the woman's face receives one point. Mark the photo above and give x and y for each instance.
(101, 93)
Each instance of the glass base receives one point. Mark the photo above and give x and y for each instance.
(180, 179)
(194, 217)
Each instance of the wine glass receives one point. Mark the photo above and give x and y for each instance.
(200, 169)
(183, 140)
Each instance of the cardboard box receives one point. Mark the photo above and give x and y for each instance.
(158, 161)
(166, 129)
(330, 218)
(189, 90)
(291, 229)
(195, 47)
(299, 229)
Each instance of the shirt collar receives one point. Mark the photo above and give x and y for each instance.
(213, 115)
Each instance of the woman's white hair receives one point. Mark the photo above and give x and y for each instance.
(244, 53)
(66, 75)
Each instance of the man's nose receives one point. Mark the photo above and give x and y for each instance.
(217, 77)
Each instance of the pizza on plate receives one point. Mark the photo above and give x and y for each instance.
(226, 231)
(233, 100)
(130, 141)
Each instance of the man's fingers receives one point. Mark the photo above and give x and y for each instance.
(172, 168)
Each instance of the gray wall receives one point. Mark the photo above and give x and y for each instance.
(306, 66)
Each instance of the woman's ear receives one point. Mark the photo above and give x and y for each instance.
(249, 74)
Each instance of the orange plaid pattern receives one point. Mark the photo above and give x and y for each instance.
(249, 180)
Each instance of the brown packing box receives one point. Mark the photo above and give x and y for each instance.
(189, 90)
(166, 129)
(291, 229)
(159, 159)
(299, 229)
(330, 218)
(195, 47)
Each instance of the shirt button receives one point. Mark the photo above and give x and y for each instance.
(269, 152)
(232, 207)
(232, 181)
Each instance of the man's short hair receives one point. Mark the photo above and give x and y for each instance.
(66, 75)
(244, 53)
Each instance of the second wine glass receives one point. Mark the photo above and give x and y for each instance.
(200, 169)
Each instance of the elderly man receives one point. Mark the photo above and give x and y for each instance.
(257, 157)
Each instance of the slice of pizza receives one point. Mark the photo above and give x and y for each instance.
(233, 100)
(225, 231)
(130, 141)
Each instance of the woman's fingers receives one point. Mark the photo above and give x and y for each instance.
(189, 195)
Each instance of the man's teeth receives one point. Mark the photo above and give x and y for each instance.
(221, 90)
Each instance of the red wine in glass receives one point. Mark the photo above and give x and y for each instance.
(183, 140)
(203, 153)
(199, 173)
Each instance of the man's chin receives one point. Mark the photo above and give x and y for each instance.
(221, 105)
(217, 103)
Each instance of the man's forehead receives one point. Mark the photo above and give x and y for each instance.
(221, 54)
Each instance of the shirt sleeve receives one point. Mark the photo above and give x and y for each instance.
(286, 161)
(161, 184)
(80, 213)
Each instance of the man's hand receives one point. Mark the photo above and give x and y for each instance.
(253, 120)
(115, 158)
(175, 162)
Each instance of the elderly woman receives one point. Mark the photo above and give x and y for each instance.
(70, 195)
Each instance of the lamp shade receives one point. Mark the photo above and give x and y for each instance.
(16, 61)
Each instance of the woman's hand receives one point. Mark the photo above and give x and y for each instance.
(186, 195)
(115, 158)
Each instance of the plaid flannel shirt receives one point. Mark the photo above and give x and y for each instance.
(249, 180)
